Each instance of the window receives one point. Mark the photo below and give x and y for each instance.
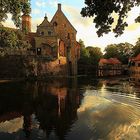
(38, 51)
(49, 33)
(41, 33)
(64, 25)
(68, 36)
(55, 23)
(59, 61)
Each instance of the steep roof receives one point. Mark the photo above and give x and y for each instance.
(60, 11)
(112, 61)
(45, 22)
(103, 61)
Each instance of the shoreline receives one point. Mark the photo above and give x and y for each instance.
(46, 78)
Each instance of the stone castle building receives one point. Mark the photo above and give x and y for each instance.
(55, 41)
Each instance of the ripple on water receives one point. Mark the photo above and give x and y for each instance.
(101, 118)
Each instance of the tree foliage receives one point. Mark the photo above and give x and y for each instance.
(89, 55)
(102, 11)
(136, 48)
(121, 51)
(15, 8)
(94, 54)
(83, 52)
(11, 41)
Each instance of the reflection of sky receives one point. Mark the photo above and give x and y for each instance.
(12, 125)
(103, 115)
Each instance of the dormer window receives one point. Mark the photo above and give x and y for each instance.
(49, 33)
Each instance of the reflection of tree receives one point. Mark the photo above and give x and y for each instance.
(54, 104)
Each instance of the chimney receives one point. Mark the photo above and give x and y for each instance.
(59, 7)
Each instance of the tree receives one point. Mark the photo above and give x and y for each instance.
(94, 54)
(124, 52)
(15, 8)
(111, 51)
(102, 11)
(136, 48)
(121, 51)
(83, 52)
(12, 41)
(8, 38)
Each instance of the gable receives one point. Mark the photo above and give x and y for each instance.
(59, 17)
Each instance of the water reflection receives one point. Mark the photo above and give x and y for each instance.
(48, 109)
(87, 109)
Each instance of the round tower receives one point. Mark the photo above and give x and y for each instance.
(26, 23)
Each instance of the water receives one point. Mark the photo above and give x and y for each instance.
(83, 109)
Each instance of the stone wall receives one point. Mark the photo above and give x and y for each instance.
(52, 68)
(11, 67)
(26, 66)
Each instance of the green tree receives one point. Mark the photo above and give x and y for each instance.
(136, 48)
(83, 52)
(11, 40)
(8, 38)
(124, 51)
(102, 11)
(111, 51)
(15, 8)
(121, 51)
(94, 54)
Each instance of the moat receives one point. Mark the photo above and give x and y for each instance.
(70, 109)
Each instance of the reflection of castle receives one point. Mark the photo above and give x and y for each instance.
(56, 108)
(56, 41)
(49, 109)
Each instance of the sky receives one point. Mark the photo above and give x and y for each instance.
(85, 27)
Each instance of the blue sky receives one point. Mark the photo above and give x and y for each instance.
(85, 28)
(50, 6)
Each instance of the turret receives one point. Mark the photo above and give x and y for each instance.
(26, 23)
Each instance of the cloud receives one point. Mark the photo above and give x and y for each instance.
(132, 27)
(87, 31)
(40, 3)
(75, 16)
(36, 11)
(53, 3)
(85, 27)
(43, 3)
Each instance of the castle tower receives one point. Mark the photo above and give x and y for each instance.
(26, 23)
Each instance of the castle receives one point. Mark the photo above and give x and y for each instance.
(55, 40)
